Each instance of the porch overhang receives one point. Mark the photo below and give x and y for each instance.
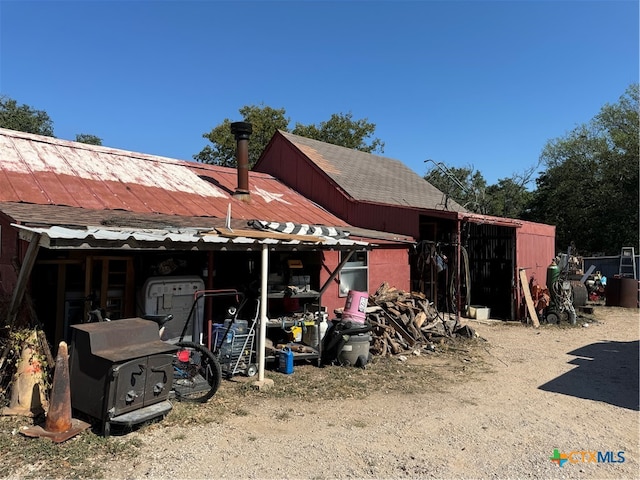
(172, 239)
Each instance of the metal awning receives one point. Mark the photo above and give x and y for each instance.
(192, 239)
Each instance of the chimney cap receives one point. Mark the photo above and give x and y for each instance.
(241, 130)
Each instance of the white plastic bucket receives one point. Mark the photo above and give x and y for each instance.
(355, 307)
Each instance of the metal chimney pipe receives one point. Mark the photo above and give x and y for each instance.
(242, 132)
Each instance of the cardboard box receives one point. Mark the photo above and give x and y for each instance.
(479, 312)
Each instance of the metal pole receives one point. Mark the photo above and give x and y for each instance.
(458, 282)
(263, 310)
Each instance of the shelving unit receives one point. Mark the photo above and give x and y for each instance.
(290, 293)
(112, 278)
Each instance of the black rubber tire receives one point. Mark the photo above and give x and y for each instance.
(552, 318)
(579, 294)
(197, 379)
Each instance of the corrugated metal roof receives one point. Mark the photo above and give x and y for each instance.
(372, 178)
(47, 171)
(169, 239)
(75, 218)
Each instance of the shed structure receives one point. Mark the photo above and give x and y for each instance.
(380, 193)
(80, 222)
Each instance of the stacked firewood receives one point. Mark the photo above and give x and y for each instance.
(404, 321)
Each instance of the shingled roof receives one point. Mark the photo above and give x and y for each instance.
(372, 178)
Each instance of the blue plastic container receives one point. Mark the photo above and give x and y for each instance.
(286, 361)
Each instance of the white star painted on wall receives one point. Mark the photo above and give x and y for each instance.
(270, 197)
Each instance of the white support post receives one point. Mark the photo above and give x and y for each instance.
(263, 311)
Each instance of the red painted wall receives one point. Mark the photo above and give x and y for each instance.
(535, 248)
(391, 266)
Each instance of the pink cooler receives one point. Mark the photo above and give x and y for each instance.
(355, 307)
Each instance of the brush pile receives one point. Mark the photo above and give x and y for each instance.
(407, 321)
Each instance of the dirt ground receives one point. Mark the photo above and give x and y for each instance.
(534, 391)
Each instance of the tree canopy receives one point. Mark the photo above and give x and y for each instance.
(465, 185)
(341, 129)
(88, 138)
(24, 118)
(222, 151)
(590, 189)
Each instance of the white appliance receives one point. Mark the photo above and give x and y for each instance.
(175, 295)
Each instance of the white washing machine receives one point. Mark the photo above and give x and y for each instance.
(175, 295)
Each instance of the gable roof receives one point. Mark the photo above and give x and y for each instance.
(41, 170)
(371, 178)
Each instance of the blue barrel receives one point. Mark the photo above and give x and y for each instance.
(286, 361)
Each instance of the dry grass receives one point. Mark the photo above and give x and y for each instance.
(415, 374)
(85, 455)
(80, 457)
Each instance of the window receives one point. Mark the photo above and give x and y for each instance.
(355, 274)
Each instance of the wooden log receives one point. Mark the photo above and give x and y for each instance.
(396, 313)
(398, 327)
(417, 334)
(393, 345)
(419, 295)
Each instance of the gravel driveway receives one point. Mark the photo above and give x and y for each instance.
(540, 390)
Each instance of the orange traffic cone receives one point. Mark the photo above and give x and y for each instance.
(27, 395)
(59, 424)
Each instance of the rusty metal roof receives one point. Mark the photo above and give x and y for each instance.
(372, 178)
(43, 170)
(81, 224)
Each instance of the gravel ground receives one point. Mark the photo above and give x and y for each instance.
(571, 389)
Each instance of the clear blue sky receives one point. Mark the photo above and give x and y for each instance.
(475, 83)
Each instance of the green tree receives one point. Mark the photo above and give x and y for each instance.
(264, 122)
(24, 118)
(508, 198)
(341, 129)
(88, 138)
(590, 189)
(465, 185)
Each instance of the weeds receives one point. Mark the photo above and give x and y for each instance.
(80, 457)
(88, 454)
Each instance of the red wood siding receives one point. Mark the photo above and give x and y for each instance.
(535, 248)
(391, 266)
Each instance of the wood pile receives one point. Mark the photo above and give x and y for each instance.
(405, 321)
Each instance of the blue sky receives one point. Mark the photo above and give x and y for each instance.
(467, 83)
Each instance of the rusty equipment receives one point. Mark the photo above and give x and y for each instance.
(121, 372)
